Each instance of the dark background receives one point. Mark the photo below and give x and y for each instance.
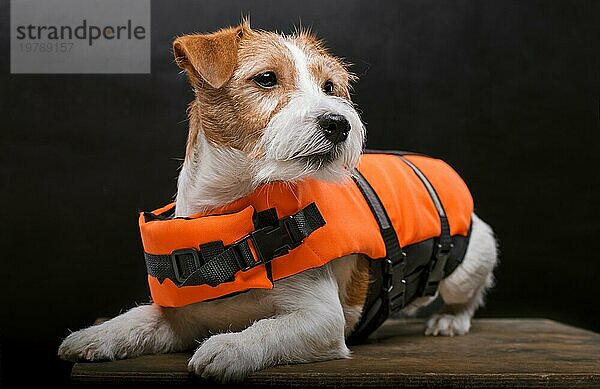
(506, 91)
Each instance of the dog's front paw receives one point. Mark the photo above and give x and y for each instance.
(87, 344)
(448, 325)
(100, 342)
(226, 358)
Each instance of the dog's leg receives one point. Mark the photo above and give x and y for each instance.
(463, 291)
(308, 325)
(142, 330)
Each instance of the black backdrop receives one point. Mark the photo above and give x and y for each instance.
(506, 91)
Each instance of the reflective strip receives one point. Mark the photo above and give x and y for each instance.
(428, 186)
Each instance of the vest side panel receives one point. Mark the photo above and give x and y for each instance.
(451, 189)
(405, 198)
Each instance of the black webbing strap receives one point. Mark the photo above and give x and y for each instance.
(444, 244)
(458, 252)
(389, 292)
(214, 263)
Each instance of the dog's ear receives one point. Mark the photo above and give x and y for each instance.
(210, 57)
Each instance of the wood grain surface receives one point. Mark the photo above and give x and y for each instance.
(496, 353)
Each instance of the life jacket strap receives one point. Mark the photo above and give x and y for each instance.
(213, 263)
(387, 293)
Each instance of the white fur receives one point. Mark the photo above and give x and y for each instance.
(305, 81)
(212, 176)
(303, 318)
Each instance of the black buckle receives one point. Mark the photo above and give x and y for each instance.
(443, 252)
(177, 265)
(270, 242)
(436, 269)
(277, 237)
(394, 283)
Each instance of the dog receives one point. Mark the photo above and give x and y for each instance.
(253, 120)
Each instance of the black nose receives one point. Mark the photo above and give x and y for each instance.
(335, 127)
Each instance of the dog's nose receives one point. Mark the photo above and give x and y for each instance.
(335, 127)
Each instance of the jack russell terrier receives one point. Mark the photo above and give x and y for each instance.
(272, 109)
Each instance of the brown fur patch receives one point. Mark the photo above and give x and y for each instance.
(209, 57)
(356, 289)
(195, 125)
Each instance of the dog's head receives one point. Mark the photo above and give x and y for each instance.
(283, 102)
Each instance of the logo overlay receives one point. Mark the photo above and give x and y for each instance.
(80, 36)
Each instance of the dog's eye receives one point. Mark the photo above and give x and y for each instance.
(328, 87)
(266, 80)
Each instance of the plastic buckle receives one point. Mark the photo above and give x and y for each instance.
(436, 270)
(443, 253)
(176, 264)
(394, 283)
(271, 242)
(388, 284)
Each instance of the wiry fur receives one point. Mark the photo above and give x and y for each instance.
(242, 136)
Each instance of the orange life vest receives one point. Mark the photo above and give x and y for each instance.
(396, 201)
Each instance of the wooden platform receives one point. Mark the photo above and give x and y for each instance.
(497, 353)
